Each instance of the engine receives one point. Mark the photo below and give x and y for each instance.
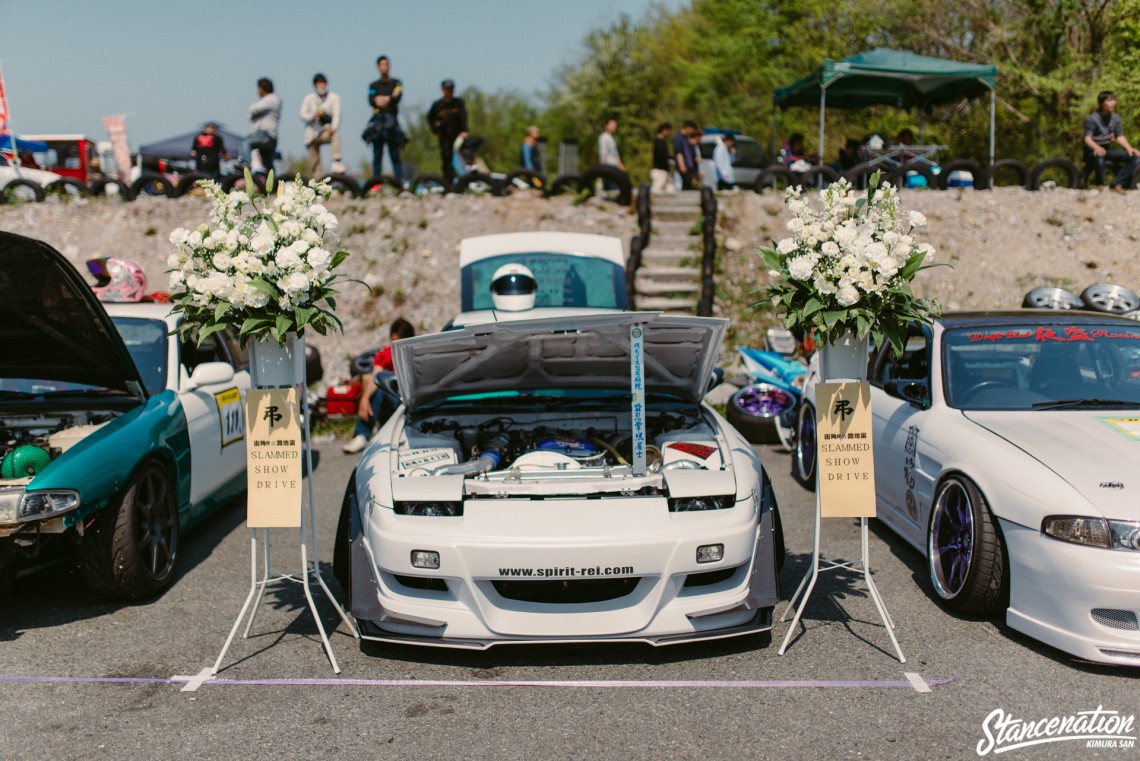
(448, 447)
(29, 443)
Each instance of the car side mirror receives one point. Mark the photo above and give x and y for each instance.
(910, 391)
(211, 373)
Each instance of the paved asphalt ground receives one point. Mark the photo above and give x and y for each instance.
(51, 627)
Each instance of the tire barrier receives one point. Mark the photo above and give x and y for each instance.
(708, 257)
(960, 165)
(67, 187)
(631, 265)
(380, 185)
(20, 189)
(151, 184)
(566, 183)
(478, 183)
(429, 184)
(186, 183)
(898, 177)
(611, 176)
(344, 184)
(109, 187)
(1005, 166)
(819, 174)
(771, 174)
(1066, 166)
(520, 179)
(237, 182)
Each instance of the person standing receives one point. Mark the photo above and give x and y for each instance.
(264, 116)
(723, 156)
(529, 156)
(1102, 127)
(320, 111)
(659, 174)
(208, 151)
(607, 145)
(685, 158)
(447, 118)
(384, 99)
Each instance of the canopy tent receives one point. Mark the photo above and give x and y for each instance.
(889, 77)
(178, 148)
(31, 146)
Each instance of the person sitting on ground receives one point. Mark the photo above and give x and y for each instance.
(1102, 127)
(377, 401)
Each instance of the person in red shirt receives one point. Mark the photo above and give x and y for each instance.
(377, 402)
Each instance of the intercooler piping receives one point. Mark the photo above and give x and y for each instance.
(488, 459)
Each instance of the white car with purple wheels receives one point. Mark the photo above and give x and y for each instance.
(559, 480)
(1007, 450)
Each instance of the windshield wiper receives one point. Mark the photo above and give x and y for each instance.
(1074, 404)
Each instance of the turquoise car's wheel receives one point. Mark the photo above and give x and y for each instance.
(131, 549)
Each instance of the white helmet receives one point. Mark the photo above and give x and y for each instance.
(513, 288)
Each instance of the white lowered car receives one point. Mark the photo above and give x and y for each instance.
(1007, 449)
(559, 480)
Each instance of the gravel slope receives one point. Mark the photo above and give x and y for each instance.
(999, 244)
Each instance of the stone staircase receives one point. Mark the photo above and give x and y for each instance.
(669, 278)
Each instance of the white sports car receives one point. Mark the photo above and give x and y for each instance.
(1007, 449)
(558, 480)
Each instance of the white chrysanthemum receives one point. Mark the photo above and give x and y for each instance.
(847, 295)
(262, 240)
(917, 218)
(799, 267)
(223, 261)
(786, 246)
(319, 258)
(795, 225)
(287, 259)
(830, 247)
(177, 280)
(173, 260)
(178, 236)
(194, 239)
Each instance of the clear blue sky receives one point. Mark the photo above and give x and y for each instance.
(169, 66)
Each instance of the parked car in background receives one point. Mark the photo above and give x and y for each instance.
(1006, 449)
(751, 158)
(115, 437)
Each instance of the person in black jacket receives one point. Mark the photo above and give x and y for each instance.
(384, 128)
(208, 151)
(447, 119)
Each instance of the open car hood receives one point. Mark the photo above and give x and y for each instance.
(581, 352)
(51, 325)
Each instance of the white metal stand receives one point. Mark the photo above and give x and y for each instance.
(818, 565)
(310, 567)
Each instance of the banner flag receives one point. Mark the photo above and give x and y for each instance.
(116, 127)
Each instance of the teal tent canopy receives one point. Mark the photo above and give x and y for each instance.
(892, 78)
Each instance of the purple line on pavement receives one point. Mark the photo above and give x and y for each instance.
(597, 684)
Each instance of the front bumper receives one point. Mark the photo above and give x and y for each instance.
(1083, 600)
(651, 589)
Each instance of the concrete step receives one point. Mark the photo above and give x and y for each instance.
(673, 229)
(675, 216)
(672, 288)
(659, 272)
(674, 242)
(664, 257)
(659, 304)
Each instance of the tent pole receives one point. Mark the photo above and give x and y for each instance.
(993, 101)
(822, 111)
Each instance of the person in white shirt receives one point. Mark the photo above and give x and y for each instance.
(722, 158)
(320, 111)
(607, 145)
(264, 116)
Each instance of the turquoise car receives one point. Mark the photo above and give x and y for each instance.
(114, 437)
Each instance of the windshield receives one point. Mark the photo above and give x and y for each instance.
(563, 280)
(146, 342)
(1037, 366)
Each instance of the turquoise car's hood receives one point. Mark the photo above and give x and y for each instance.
(51, 325)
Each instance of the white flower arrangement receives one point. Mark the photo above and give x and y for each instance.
(849, 265)
(264, 267)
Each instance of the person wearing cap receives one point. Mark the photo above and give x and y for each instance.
(447, 118)
(320, 111)
(208, 151)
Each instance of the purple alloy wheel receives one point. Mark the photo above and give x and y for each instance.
(951, 544)
(763, 400)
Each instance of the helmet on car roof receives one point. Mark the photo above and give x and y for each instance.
(513, 288)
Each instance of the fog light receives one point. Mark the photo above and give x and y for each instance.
(425, 559)
(710, 553)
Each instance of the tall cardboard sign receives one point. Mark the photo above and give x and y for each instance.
(273, 452)
(844, 455)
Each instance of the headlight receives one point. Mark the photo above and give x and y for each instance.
(10, 505)
(42, 504)
(1093, 532)
(430, 509)
(692, 504)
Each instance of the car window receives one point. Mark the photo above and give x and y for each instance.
(1017, 367)
(749, 153)
(707, 150)
(913, 365)
(192, 354)
(563, 281)
(146, 342)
